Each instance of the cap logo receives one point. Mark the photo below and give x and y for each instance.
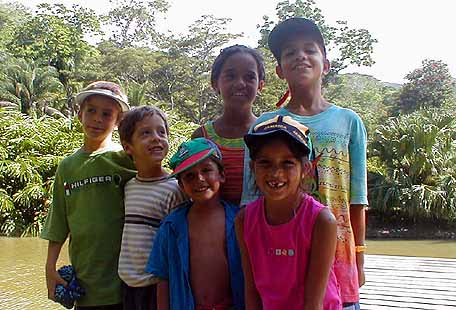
(285, 124)
(182, 151)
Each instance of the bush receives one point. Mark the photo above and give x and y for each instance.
(419, 175)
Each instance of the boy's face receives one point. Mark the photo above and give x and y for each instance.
(149, 142)
(302, 62)
(202, 182)
(99, 116)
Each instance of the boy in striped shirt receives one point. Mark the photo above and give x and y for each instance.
(149, 197)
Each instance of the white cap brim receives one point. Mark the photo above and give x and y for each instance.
(123, 102)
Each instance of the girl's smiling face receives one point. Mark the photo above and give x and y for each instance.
(239, 82)
(278, 173)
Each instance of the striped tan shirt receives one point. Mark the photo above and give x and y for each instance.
(147, 202)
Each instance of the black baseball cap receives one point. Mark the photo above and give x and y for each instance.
(292, 27)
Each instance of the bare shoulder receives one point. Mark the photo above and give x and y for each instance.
(326, 218)
(198, 133)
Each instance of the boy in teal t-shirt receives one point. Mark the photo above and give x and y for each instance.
(88, 201)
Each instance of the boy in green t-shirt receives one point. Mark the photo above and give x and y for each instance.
(88, 201)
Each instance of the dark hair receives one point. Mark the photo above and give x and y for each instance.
(295, 147)
(289, 30)
(230, 51)
(128, 123)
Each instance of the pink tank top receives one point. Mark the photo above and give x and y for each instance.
(279, 256)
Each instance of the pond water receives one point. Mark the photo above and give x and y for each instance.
(22, 280)
(23, 285)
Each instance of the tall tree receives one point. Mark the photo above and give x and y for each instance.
(11, 16)
(431, 85)
(183, 77)
(29, 85)
(133, 21)
(55, 37)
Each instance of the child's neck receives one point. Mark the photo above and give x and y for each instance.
(238, 117)
(307, 103)
(234, 124)
(148, 171)
(91, 146)
(282, 211)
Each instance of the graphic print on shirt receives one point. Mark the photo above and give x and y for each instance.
(102, 179)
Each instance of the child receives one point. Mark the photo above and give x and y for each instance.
(88, 201)
(195, 253)
(237, 75)
(287, 238)
(339, 139)
(148, 199)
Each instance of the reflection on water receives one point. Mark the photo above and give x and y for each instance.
(22, 281)
(23, 285)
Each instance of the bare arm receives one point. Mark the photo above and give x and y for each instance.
(358, 223)
(252, 297)
(163, 295)
(52, 276)
(322, 251)
(198, 133)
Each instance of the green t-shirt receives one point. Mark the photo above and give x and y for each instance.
(88, 206)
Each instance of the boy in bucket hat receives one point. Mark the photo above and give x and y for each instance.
(195, 253)
(339, 141)
(88, 202)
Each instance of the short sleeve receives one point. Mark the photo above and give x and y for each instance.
(358, 167)
(175, 198)
(56, 225)
(158, 259)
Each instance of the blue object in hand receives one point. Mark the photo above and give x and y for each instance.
(72, 292)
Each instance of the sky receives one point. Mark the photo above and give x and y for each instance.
(408, 31)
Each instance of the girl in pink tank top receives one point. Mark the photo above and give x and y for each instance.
(287, 238)
(237, 76)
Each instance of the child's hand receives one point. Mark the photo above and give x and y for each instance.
(52, 279)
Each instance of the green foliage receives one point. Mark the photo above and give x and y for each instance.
(180, 131)
(29, 85)
(54, 36)
(30, 150)
(274, 86)
(427, 87)
(363, 94)
(419, 156)
(11, 16)
(183, 76)
(133, 21)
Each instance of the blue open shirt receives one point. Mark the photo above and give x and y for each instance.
(169, 258)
